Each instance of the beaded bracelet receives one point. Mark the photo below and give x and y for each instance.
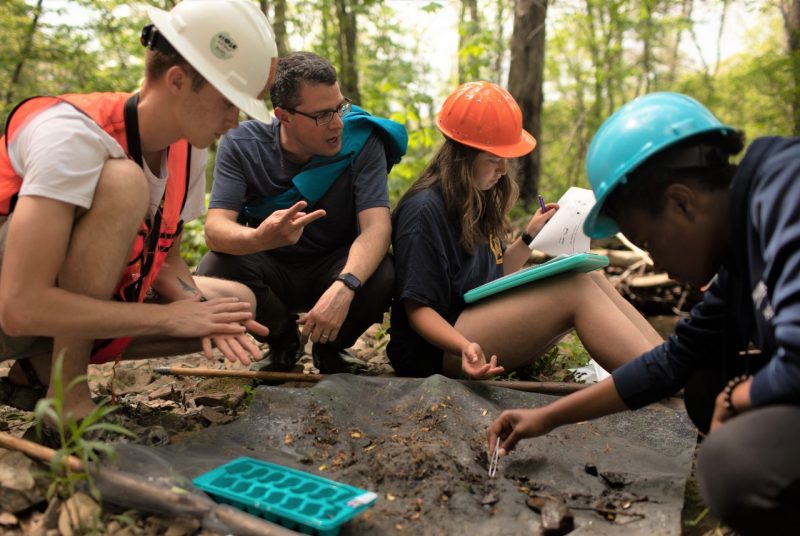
(727, 393)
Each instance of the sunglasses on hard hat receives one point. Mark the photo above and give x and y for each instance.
(153, 40)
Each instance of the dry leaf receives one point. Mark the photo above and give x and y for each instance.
(77, 511)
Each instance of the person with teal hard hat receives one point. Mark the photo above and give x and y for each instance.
(661, 171)
(449, 236)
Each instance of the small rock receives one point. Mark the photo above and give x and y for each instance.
(215, 417)
(15, 471)
(489, 499)
(590, 469)
(19, 490)
(557, 519)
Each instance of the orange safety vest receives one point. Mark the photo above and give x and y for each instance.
(116, 114)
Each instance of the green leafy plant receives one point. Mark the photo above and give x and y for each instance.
(193, 241)
(555, 365)
(76, 437)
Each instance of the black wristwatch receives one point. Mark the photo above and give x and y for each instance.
(526, 237)
(350, 281)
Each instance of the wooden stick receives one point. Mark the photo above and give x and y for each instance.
(36, 451)
(551, 388)
(127, 488)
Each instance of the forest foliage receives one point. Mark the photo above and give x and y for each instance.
(597, 55)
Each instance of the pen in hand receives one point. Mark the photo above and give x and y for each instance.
(542, 205)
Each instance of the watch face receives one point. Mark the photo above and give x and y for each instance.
(350, 280)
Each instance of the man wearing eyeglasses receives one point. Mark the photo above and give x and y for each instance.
(299, 213)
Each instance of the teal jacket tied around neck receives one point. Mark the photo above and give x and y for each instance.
(321, 172)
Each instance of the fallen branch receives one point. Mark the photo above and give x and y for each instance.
(127, 490)
(550, 388)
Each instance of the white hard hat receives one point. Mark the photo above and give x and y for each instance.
(229, 42)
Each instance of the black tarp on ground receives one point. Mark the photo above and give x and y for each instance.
(420, 444)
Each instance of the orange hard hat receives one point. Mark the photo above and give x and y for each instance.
(485, 116)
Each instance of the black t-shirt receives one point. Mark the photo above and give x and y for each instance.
(432, 268)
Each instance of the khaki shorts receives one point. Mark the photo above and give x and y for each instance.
(24, 347)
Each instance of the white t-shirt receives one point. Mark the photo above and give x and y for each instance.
(60, 152)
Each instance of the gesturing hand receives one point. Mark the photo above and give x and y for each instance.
(474, 365)
(285, 227)
(515, 424)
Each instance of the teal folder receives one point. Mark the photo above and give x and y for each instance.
(579, 262)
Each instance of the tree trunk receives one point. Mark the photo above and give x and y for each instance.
(24, 53)
(278, 23)
(502, 44)
(348, 71)
(467, 28)
(791, 19)
(525, 80)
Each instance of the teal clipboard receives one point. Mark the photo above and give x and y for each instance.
(579, 262)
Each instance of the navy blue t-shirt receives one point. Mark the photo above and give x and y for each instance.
(755, 297)
(250, 165)
(432, 268)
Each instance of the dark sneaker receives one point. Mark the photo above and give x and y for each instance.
(22, 397)
(330, 360)
(280, 357)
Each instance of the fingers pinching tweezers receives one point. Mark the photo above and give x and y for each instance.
(495, 458)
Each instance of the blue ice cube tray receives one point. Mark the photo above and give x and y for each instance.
(295, 499)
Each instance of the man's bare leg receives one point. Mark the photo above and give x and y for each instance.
(98, 251)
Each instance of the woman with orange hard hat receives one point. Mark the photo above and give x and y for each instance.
(449, 234)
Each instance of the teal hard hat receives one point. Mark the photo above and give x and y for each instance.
(641, 128)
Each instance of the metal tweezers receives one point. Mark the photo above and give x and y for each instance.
(494, 459)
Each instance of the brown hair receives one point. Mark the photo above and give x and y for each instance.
(293, 71)
(478, 214)
(156, 63)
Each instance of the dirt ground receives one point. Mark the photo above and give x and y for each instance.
(182, 405)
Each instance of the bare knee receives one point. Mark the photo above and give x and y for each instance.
(213, 287)
(575, 289)
(123, 189)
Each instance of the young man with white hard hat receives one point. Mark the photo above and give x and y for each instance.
(83, 177)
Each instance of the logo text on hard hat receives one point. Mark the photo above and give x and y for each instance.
(223, 46)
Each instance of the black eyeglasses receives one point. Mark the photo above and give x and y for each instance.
(326, 116)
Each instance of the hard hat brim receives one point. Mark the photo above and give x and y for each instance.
(523, 146)
(251, 106)
(598, 225)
